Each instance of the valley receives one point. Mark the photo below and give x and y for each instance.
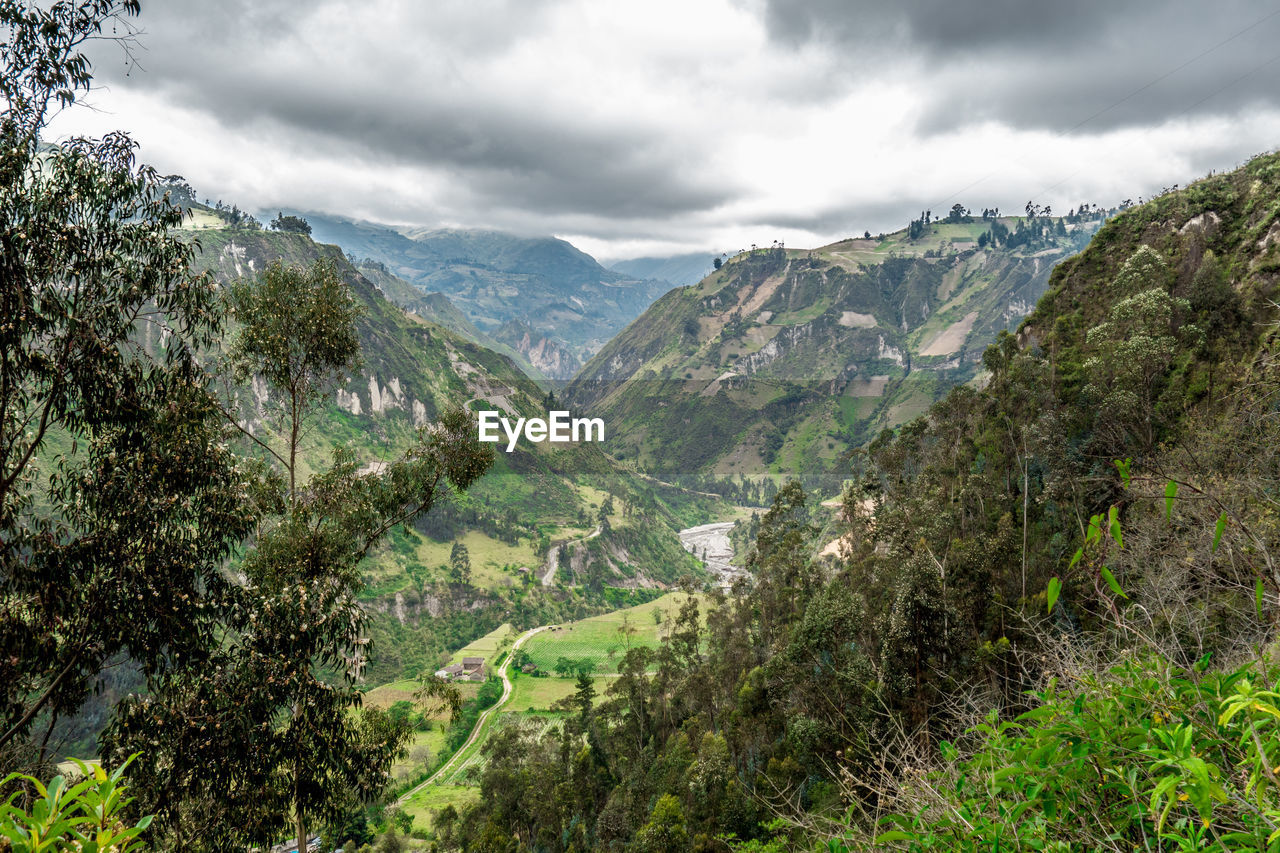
(959, 536)
(541, 297)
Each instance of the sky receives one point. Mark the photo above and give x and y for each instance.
(661, 127)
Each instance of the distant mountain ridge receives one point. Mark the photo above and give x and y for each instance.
(560, 292)
(783, 360)
(680, 270)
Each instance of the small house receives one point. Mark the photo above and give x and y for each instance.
(450, 672)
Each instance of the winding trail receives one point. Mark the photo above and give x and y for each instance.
(480, 721)
(553, 556)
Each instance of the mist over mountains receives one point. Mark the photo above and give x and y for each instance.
(552, 302)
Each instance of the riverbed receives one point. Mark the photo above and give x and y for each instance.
(713, 541)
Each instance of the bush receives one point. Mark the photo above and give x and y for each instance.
(85, 816)
(1146, 756)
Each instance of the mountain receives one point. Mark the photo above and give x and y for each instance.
(437, 308)
(545, 355)
(413, 368)
(1044, 593)
(679, 270)
(561, 293)
(784, 359)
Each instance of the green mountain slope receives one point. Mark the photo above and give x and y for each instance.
(412, 369)
(495, 278)
(958, 656)
(437, 308)
(783, 359)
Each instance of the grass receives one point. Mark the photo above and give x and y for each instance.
(489, 646)
(422, 805)
(386, 695)
(488, 556)
(539, 694)
(855, 409)
(594, 638)
(414, 762)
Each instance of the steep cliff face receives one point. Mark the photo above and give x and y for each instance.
(550, 357)
(411, 366)
(784, 359)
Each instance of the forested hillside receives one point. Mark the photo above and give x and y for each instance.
(1085, 541)
(263, 577)
(411, 370)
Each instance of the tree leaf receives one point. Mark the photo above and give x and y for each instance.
(1217, 531)
(1055, 587)
(1076, 558)
(1257, 596)
(1114, 526)
(1112, 582)
(1122, 465)
(1170, 492)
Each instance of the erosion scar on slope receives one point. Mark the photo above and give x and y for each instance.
(952, 338)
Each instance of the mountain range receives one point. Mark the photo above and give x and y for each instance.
(782, 360)
(550, 301)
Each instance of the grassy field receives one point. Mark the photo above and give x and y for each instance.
(424, 748)
(432, 798)
(489, 646)
(488, 557)
(539, 694)
(601, 638)
(386, 695)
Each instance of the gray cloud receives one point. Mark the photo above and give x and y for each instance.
(1053, 65)
(258, 66)
(686, 124)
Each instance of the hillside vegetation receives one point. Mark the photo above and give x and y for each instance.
(1052, 627)
(413, 368)
(783, 360)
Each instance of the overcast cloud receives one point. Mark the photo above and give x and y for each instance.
(640, 129)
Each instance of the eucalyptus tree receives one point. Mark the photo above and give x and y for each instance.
(119, 497)
(276, 720)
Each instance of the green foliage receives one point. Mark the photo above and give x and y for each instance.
(290, 224)
(1146, 755)
(117, 488)
(297, 331)
(85, 816)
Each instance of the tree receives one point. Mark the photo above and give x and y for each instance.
(291, 224)
(274, 716)
(665, 832)
(101, 321)
(717, 263)
(460, 564)
(1133, 350)
(298, 333)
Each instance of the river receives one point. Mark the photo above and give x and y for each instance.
(713, 540)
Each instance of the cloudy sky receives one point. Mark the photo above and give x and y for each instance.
(660, 127)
